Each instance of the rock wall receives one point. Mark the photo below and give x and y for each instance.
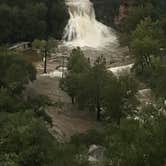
(106, 10)
(122, 13)
(112, 12)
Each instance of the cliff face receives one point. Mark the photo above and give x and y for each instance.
(122, 14)
(112, 12)
(106, 10)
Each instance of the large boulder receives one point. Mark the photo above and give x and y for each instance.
(96, 153)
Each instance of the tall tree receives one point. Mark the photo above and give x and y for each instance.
(119, 95)
(77, 66)
(44, 47)
(146, 42)
(15, 72)
(23, 21)
(90, 94)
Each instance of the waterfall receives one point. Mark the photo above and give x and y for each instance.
(83, 29)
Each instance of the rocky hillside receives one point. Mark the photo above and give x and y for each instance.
(112, 12)
(106, 10)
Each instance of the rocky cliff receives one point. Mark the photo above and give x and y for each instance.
(112, 12)
(122, 13)
(106, 10)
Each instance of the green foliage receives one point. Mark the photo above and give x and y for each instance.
(120, 98)
(25, 140)
(146, 43)
(148, 46)
(131, 144)
(90, 94)
(148, 28)
(44, 44)
(155, 77)
(22, 21)
(24, 137)
(141, 10)
(78, 65)
(44, 47)
(134, 142)
(96, 89)
(77, 62)
(38, 104)
(146, 21)
(15, 73)
(96, 137)
(134, 15)
(38, 44)
(8, 102)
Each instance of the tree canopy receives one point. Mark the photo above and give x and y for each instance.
(93, 87)
(23, 21)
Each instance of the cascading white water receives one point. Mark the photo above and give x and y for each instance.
(83, 29)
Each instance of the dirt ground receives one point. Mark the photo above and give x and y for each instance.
(67, 120)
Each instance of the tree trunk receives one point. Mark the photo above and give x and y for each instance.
(118, 121)
(45, 61)
(72, 99)
(119, 118)
(98, 112)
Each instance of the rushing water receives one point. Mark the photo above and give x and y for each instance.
(83, 29)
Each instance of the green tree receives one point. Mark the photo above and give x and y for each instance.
(77, 66)
(155, 78)
(77, 62)
(146, 42)
(44, 47)
(135, 14)
(90, 94)
(15, 73)
(119, 95)
(131, 144)
(25, 140)
(25, 21)
(5, 24)
(95, 88)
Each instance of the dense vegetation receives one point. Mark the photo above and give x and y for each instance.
(144, 32)
(134, 143)
(22, 131)
(30, 19)
(96, 89)
(130, 137)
